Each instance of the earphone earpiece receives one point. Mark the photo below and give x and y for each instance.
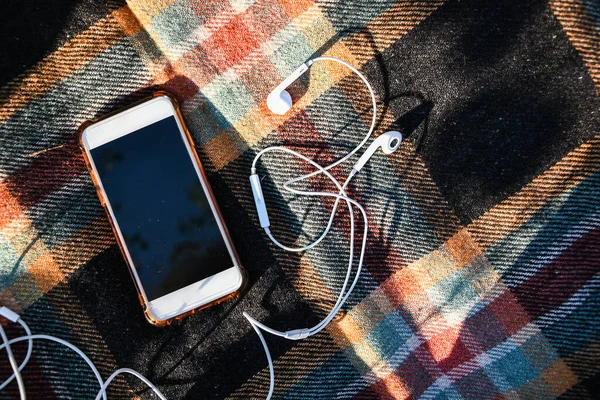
(393, 138)
(389, 142)
(279, 100)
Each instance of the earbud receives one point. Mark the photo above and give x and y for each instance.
(279, 100)
(389, 142)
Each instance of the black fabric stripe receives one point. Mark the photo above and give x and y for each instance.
(32, 29)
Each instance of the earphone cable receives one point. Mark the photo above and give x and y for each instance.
(344, 295)
(103, 385)
(13, 364)
(328, 167)
(27, 356)
(298, 334)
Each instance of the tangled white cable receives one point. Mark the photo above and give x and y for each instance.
(29, 337)
(279, 101)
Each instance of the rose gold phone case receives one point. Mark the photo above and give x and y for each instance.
(211, 198)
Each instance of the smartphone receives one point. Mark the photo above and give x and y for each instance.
(152, 185)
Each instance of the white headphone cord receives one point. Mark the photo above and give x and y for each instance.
(27, 356)
(371, 128)
(298, 334)
(328, 167)
(30, 338)
(13, 365)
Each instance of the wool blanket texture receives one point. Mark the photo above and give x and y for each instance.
(482, 269)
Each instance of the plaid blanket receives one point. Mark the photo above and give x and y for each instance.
(482, 272)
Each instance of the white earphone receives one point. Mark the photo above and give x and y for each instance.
(389, 142)
(279, 101)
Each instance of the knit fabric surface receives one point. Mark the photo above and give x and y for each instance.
(482, 268)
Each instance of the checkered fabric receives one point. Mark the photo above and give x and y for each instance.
(482, 274)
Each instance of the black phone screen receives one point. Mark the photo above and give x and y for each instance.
(161, 208)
